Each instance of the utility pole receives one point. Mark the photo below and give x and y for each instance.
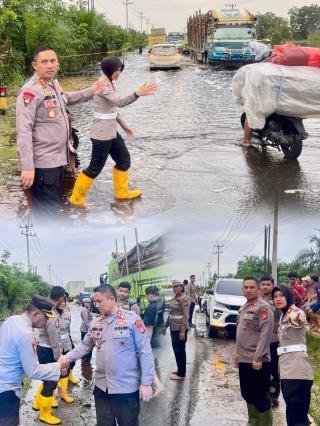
(268, 249)
(138, 252)
(49, 270)
(125, 255)
(27, 233)
(275, 240)
(209, 270)
(127, 3)
(218, 246)
(117, 254)
(148, 21)
(141, 16)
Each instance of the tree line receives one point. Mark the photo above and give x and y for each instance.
(302, 26)
(18, 286)
(69, 28)
(306, 262)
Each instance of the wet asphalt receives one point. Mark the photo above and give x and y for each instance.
(183, 154)
(209, 395)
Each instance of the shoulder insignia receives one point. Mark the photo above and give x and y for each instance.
(140, 326)
(27, 98)
(121, 314)
(185, 301)
(263, 313)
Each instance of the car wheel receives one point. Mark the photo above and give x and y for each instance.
(212, 332)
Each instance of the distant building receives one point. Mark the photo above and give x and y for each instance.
(75, 287)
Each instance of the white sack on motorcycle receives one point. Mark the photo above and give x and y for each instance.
(265, 88)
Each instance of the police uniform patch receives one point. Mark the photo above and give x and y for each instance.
(140, 326)
(121, 314)
(185, 302)
(27, 98)
(122, 343)
(263, 313)
(51, 113)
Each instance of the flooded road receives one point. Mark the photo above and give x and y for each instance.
(183, 155)
(210, 393)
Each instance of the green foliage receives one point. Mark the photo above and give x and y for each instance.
(250, 266)
(313, 343)
(71, 30)
(305, 21)
(17, 286)
(273, 27)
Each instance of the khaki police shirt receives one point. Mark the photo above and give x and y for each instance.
(108, 102)
(293, 365)
(191, 292)
(64, 320)
(43, 128)
(254, 332)
(49, 336)
(178, 318)
(276, 315)
(129, 305)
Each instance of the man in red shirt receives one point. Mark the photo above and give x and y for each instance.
(297, 288)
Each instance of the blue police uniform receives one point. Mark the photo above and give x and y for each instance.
(124, 361)
(18, 358)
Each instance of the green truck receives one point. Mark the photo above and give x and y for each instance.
(147, 265)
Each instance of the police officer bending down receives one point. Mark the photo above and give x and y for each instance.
(254, 334)
(18, 357)
(124, 361)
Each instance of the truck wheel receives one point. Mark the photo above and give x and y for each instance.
(293, 151)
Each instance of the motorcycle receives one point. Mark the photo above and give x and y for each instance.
(281, 132)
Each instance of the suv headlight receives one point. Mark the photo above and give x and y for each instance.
(219, 305)
(217, 314)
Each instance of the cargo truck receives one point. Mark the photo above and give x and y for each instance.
(156, 36)
(222, 37)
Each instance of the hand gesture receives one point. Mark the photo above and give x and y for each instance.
(27, 178)
(256, 365)
(99, 86)
(182, 336)
(145, 393)
(298, 318)
(130, 133)
(147, 89)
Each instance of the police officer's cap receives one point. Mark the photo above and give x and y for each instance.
(125, 284)
(43, 304)
(152, 289)
(57, 292)
(176, 282)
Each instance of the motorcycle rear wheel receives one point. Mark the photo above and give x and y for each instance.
(292, 151)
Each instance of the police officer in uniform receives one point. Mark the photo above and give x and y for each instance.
(266, 286)
(86, 318)
(124, 300)
(44, 131)
(296, 372)
(254, 334)
(18, 357)
(124, 360)
(178, 321)
(49, 350)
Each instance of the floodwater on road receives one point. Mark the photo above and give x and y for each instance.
(183, 155)
(209, 395)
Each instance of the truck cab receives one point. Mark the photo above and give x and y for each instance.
(230, 32)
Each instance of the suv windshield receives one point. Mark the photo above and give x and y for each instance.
(164, 49)
(233, 288)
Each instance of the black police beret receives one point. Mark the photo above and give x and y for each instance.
(42, 303)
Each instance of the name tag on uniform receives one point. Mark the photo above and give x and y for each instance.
(248, 316)
(121, 332)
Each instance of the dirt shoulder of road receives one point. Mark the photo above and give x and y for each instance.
(313, 342)
(8, 151)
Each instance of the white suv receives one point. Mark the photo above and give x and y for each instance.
(223, 305)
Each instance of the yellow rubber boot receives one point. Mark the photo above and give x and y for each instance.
(37, 401)
(55, 403)
(64, 390)
(45, 411)
(120, 183)
(73, 379)
(80, 189)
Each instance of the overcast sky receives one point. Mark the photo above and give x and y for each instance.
(173, 15)
(82, 253)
